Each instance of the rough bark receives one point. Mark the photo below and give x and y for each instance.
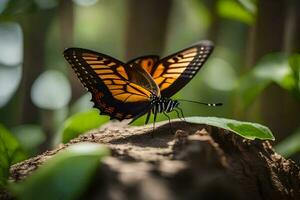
(197, 162)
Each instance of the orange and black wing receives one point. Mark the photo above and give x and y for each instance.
(146, 62)
(173, 72)
(108, 80)
(139, 70)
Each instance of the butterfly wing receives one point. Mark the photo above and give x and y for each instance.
(146, 62)
(108, 81)
(139, 70)
(173, 72)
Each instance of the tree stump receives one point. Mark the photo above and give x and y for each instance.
(191, 161)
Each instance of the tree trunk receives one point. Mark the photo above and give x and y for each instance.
(197, 162)
(66, 27)
(292, 27)
(215, 20)
(147, 25)
(35, 27)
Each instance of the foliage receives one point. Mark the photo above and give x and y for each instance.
(249, 5)
(234, 10)
(80, 123)
(275, 67)
(245, 129)
(294, 63)
(30, 136)
(11, 8)
(16, 7)
(10, 153)
(290, 145)
(284, 71)
(64, 176)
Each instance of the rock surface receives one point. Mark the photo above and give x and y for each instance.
(190, 162)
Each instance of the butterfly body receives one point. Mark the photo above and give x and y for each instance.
(161, 104)
(142, 85)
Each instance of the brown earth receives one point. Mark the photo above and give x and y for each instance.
(190, 162)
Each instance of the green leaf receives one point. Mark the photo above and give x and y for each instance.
(274, 67)
(30, 137)
(271, 68)
(233, 10)
(294, 63)
(290, 145)
(17, 7)
(82, 122)
(20, 7)
(10, 153)
(249, 5)
(245, 129)
(65, 176)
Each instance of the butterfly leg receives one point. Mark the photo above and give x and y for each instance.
(154, 119)
(181, 113)
(169, 121)
(148, 117)
(178, 115)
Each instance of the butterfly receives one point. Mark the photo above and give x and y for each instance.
(142, 85)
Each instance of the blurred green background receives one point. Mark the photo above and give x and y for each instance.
(254, 69)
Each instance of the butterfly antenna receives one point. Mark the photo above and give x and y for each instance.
(206, 104)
